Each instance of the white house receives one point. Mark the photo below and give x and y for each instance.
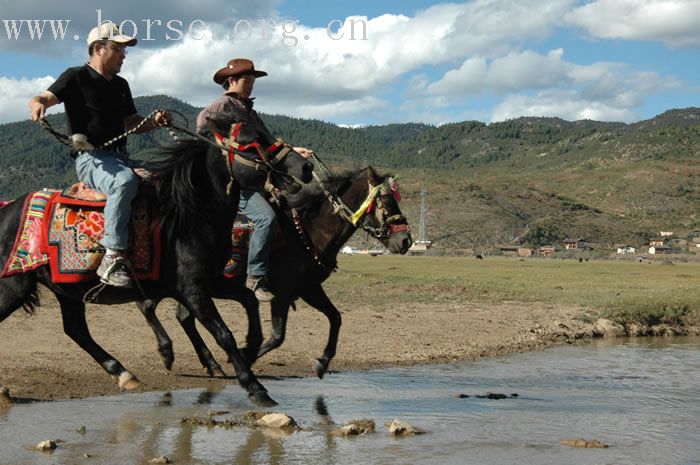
(625, 250)
(659, 249)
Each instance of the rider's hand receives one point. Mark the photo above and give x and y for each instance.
(37, 109)
(161, 118)
(304, 152)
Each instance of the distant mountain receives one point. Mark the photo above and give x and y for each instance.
(528, 179)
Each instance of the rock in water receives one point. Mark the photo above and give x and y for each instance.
(355, 428)
(401, 428)
(584, 443)
(277, 420)
(161, 459)
(46, 445)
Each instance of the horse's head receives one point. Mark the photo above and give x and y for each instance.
(259, 162)
(383, 218)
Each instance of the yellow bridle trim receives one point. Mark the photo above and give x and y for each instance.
(365, 205)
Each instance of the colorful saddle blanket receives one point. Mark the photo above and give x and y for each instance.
(243, 229)
(240, 237)
(64, 229)
(28, 250)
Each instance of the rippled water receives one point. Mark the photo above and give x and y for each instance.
(641, 396)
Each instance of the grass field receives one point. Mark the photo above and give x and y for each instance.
(624, 291)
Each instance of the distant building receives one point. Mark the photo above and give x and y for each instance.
(574, 244)
(547, 250)
(657, 241)
(347, 250)
(419, 248)
(665, 233)
(525, 252)
(659, 249)
(625, 249)
(509, 249)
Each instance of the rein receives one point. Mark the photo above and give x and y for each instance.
(387, 226)
(79, 142)
(353, 217)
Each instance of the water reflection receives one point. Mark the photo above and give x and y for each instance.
(640, 398)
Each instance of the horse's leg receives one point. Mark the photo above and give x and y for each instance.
(245, 297)
(16, 292)
(203, 308)
(254, 339)
(317, 298)
(75, 326)
(165, 344)
(205, 357)
(279, 308)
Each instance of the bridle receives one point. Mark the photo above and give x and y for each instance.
(374, 202)
(266, 159)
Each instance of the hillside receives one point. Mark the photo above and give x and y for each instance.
(533, 179)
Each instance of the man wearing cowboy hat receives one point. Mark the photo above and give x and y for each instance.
(99, 105)
(238, 78)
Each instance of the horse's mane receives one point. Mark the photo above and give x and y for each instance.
(184, 187)
(338, 184)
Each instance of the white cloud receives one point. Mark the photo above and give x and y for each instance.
(603, 90)
(513, 72)
(567, 105)
(319, 77)
(673, 22)
(15, 94)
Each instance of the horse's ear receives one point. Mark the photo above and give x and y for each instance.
(372, 177)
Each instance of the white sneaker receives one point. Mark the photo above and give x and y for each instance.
(114, 271)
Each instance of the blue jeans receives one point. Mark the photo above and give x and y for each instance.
(258, 209)
(110, 173)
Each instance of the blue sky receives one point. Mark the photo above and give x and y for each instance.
(428, 61)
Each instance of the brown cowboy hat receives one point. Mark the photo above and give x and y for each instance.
(237, 67)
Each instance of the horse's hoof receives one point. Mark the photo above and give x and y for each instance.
(217, 373)
(128, 382)
(261, 399)
(319, 368)
(168, 362)
(5, 399)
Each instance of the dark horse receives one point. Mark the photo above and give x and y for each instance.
(198, 199)
(297, 270)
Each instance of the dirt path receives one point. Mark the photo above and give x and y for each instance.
(38, 361)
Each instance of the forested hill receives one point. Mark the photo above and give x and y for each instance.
(531, 178)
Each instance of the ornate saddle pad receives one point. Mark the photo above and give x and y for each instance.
(76, 227)
(64, 229)
(28, 249)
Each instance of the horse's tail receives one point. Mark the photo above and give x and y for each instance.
(18, 291)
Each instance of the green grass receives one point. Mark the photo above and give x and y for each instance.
(623, 290)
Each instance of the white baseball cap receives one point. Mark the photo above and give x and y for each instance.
(109, 31)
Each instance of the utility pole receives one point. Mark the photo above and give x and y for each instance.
(421, 230)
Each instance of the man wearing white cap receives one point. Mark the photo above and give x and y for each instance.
(99, 105)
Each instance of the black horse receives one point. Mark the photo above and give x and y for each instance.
(197, 198)
(313, 239)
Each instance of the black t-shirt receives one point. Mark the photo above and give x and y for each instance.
(95, 106)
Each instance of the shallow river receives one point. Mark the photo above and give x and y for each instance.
(641, 396)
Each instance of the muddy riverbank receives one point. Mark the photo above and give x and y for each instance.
(38, 361)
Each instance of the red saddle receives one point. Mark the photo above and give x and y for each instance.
(64, 229)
